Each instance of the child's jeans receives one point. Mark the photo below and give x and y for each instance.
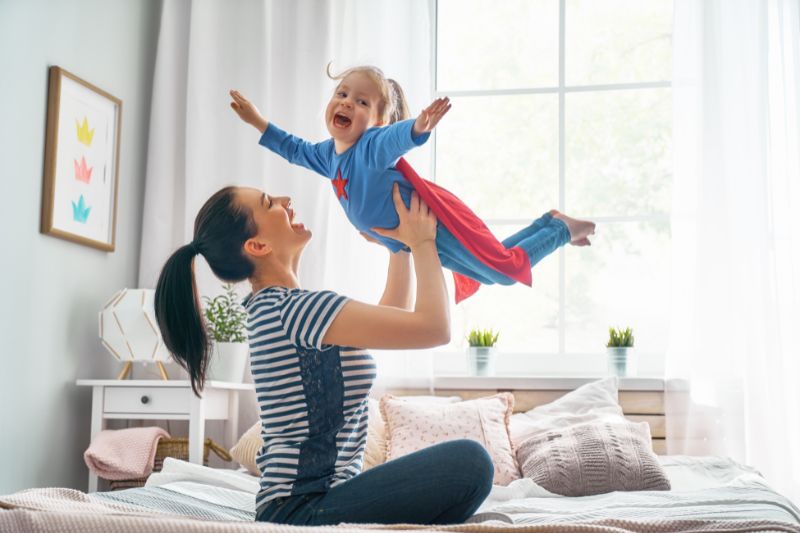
(543, 237)
(442, 484)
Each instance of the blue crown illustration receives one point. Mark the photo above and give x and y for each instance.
(80, 211)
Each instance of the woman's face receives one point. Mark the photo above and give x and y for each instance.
(277, 230)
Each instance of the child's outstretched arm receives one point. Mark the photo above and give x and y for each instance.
(384, 145)
(248, 112)
(314, 157)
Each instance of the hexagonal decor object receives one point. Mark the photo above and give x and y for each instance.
(128, 327)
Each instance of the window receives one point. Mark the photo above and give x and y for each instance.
(562, 104)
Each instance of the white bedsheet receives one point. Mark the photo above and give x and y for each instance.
(686, 473)
(703, 488)
(175, 470)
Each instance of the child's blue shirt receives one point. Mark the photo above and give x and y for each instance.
(362, 176)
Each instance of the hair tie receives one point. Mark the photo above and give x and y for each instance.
(195, 247)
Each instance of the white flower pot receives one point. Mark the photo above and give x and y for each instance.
(228, 361)
(621, 361)
(481, 360)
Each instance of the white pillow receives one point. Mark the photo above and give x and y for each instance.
(593, 402)
(375, 450)
(247, 448)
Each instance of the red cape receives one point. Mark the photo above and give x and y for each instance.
(471, 232)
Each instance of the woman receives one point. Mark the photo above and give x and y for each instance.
(311, 384)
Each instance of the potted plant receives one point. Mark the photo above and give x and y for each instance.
(226, 324)
(621, 360)
(482, 353)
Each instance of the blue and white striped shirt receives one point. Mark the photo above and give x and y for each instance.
(312, 397)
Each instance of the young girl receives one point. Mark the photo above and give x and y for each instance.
(367, 118)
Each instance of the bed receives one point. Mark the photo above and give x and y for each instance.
(708, 494)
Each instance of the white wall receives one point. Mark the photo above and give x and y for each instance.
(52, 289)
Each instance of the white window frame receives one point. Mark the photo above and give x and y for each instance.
(561, 362)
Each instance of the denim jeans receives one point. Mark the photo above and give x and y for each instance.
(542, 237)
(442, 484)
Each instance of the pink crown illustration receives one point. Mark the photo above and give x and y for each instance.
(82, 173)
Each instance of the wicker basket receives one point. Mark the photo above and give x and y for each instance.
(177, 448)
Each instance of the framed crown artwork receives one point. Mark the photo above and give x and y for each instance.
(81, 162)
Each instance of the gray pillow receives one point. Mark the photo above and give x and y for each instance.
(593, 458)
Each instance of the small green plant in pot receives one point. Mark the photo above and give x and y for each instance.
(226, 322)
(482, 352)
(619, 350)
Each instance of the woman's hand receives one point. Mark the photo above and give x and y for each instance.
(248, 112)
(417, 223)
(430, 117)
(394, 324)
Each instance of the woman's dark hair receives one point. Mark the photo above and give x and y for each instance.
(220, 230)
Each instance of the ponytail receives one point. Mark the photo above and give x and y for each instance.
(220, 230)
(178, 316)
(399, 104)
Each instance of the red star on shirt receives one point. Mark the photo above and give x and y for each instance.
(340, 184)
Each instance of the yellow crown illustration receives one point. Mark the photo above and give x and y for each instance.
(84, 133)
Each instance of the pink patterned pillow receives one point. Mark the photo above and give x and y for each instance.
(413, 426)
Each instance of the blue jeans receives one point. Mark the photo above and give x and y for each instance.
(543, 237)
(442, 484)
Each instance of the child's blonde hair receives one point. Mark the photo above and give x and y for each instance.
(393, 106)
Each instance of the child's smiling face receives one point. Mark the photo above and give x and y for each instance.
(353, 108)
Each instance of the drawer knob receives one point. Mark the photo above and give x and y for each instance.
(145, 399)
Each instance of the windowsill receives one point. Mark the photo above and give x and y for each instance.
(535, 382)
(428, 369)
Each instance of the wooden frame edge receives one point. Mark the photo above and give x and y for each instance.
(51, 150)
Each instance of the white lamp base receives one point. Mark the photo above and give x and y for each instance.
(129, 365)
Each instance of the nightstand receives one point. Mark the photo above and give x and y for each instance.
(166, 400)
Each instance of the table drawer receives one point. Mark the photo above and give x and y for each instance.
(146, 400)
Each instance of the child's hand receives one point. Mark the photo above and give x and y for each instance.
(248, 112)
(430, 117)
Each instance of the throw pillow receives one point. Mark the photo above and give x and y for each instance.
(375, 450)
(246, 449)
(413, 426)
(593, 402)
(593, 458)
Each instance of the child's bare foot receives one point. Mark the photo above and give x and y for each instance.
(579, 230)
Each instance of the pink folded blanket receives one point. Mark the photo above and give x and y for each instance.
(123, 453)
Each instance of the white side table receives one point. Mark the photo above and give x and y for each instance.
(148, 399)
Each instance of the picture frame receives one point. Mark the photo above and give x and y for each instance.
(81, 162)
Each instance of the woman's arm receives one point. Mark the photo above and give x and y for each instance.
(398, 281)
(381, 326)
(397, 292)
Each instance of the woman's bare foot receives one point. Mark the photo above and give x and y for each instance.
(579, 230)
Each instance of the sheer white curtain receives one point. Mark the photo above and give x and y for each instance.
(275, 52)
(734, 361)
